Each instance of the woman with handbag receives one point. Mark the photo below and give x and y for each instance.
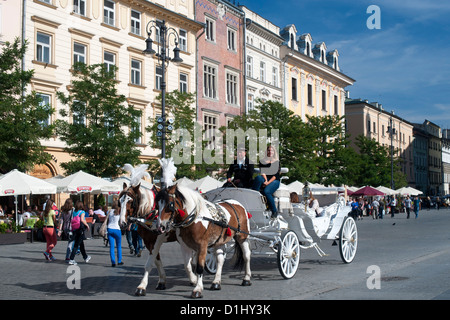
(79, 224)
(114, 234)
(65, 223)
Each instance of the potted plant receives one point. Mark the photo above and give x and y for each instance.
(10, 233)
(39, 231)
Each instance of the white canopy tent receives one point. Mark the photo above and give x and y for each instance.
(119, 182)
(205, 184)
(296, 186)
(82, 182)
(408, 191)
(16, 183)
(386, 191)
(184, 182)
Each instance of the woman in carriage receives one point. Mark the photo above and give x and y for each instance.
(269, 178)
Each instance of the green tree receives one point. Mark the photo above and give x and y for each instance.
(101, 134)
(375, 164)
(179, 108)
(23, 116)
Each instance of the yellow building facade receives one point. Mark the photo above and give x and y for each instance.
(61, 32)
(313, 83)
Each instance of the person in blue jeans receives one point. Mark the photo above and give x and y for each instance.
(114, 234)
(269, 178)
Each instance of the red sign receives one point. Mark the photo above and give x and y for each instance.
(8, 191)
(84, 189)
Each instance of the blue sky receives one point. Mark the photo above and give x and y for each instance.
(405, 65)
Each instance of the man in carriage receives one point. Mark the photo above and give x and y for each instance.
(242, 169)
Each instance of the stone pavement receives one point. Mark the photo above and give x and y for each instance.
(25, 274)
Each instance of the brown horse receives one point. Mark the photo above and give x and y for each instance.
(204, 224)
(138, 204)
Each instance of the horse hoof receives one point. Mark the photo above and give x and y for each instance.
(140, 292)
(196, 295)
(161, 286)
(216, 286)
(246, 283)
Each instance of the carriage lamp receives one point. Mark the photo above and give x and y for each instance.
(162, 34)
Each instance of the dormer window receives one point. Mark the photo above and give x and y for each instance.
(332, 59)
(319, 52)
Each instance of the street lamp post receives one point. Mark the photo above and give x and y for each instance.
(392, 131)
(163, 57)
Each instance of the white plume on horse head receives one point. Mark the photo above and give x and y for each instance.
(169, 170)
(136, 174)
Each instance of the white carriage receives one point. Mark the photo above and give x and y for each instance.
(296, 227)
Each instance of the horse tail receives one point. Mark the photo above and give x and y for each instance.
(238, 257)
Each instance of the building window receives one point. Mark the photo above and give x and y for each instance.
(294, 89)
(136, 22)
(108, 12)
(183, 40)
(210, 124)
(79, 53)
(324, 100)
(250, 102)
(45, 101)
(209, 81)
(231, 40)
(78, 113)
(336, 105)
(43, 47)
(136, 72)
(249, 66)
(183, 83)
(109, 60)
(136, 128)
(310, 99)
(79, 7)
(275, 76)
(232, 88)
(262, 71)
(210, 29)
(158, 78)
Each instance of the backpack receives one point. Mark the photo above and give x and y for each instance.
(76, 219)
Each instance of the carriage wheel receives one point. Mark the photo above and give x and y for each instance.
(348, 240)
(210, 262)
(288, 255)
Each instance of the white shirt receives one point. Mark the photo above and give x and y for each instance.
(113, 220)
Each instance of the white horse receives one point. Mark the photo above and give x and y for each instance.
(202, 224)
(138, 203)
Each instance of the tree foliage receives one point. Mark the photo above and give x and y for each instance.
(98, 125)
(23, 116)
(180, 142)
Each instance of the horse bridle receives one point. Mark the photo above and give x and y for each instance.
(135, 206)
(187, 221)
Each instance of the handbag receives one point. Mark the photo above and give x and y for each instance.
(103, 229)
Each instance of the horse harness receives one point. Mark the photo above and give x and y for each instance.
(218, 217)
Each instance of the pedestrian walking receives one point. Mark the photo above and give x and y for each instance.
(393, 205)
(65, 226)
(375, 208)
(417, 206)
(49, 230)
(408, 204)
(114, 234)
(136, 239)
(79, 224)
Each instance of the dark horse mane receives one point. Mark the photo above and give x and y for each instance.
(163, 194)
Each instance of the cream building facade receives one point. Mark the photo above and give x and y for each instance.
(61, 32)
(373, 122)
(313, 82)
(262, 58)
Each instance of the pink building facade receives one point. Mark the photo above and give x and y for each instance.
(220, 87)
